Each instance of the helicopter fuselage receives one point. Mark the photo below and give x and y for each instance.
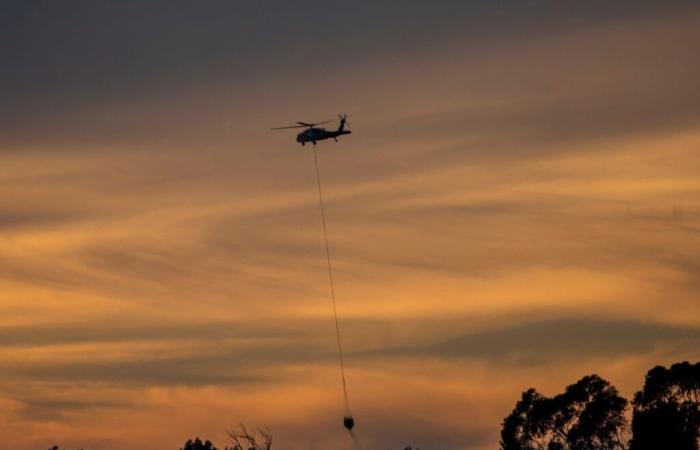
(313, 133)
(318, 134)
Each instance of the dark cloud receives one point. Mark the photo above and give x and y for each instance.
(109, 332)
(95, 72)
(40, 272)
(12, 220)
(253, 352)
(544, 342)
(211, 362)
(123, 41)
(183, 371)
(539, 129)
(92, 47)
(46, 409)
(226, 353)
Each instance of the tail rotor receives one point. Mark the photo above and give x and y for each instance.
(343, 120)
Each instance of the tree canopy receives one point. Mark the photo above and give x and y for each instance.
(589, 415)
(197, 444)
(667, 410)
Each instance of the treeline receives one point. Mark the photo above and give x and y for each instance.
(591, 415)
(241, 438)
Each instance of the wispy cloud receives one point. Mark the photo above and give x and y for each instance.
(517, 206)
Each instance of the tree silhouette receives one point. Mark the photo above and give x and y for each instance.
(197, 444)
(589, 415)
(244, 439)
(667, 410)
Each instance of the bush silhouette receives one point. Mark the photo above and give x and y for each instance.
(197, 444)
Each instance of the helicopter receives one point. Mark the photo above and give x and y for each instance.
(314, 133)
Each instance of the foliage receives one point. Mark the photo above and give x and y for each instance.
(197, 444)
(667, 409)
(589, 415)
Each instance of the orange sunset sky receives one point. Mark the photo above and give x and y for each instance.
(518, 206)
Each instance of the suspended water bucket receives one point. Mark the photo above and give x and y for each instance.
(348, 422)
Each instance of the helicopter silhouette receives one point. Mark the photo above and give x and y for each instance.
(314, 133)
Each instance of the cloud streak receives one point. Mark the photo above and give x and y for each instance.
(517, 206)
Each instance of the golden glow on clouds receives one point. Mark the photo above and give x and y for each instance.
(173, 286)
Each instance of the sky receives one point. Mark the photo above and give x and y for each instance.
(518, 206)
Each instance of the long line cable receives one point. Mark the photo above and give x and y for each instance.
(330, 278)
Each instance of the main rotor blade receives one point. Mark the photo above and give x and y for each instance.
(315, 123)
(302, 125)
(284, 128)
